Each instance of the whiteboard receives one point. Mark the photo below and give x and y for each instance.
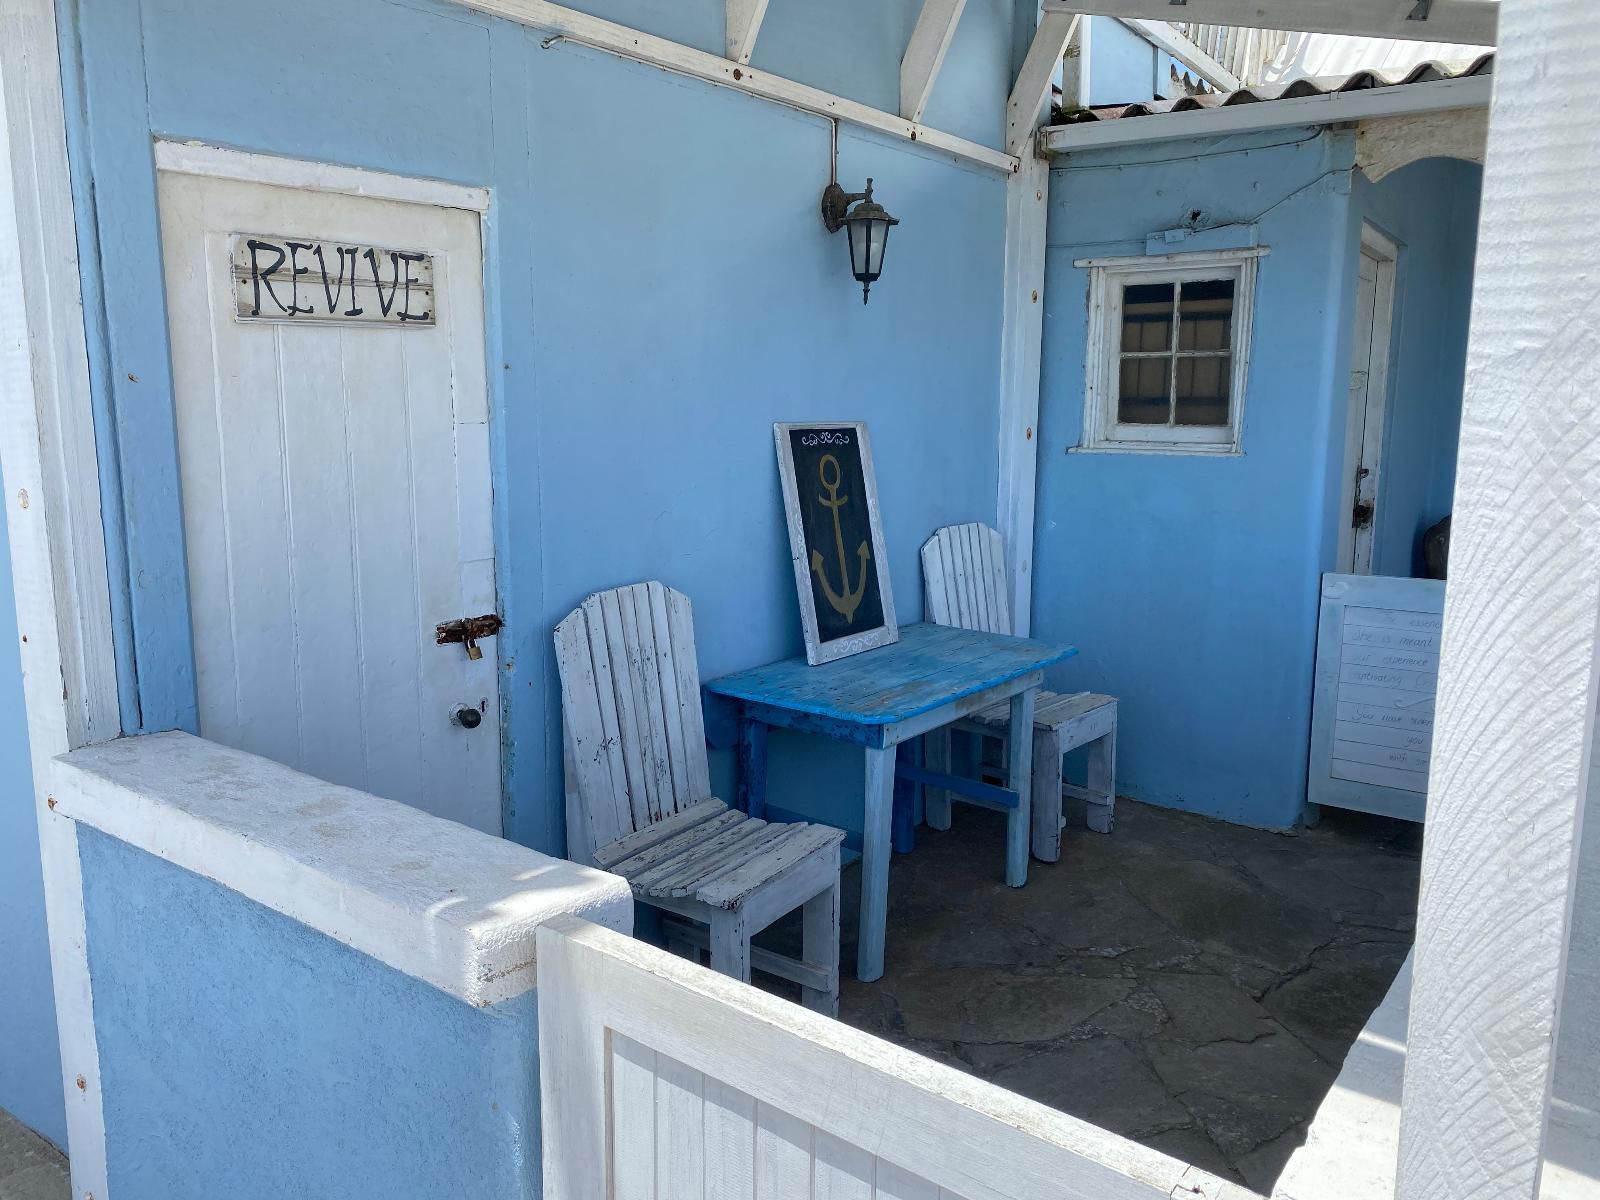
(1376, 678)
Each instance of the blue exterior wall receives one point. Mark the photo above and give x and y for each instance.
(1190, 582)
(1431, 209)
(244, 1055)
(661, 291)
(30, 1057)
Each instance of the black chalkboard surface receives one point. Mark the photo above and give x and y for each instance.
(835, 538)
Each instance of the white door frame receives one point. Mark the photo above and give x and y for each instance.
(197, 159)
(52, 504)
(1366, 422)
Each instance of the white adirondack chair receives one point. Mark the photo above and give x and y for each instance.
(964, 577)
(639, 799)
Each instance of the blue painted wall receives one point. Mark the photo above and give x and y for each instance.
(244, 1055)
(30, 1060)
(1190, 582)
(661, 290)
(1431, 209)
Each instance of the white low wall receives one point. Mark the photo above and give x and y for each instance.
(1352, 1149)
(436, 900)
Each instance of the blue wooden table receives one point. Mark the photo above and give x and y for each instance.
(933, 675)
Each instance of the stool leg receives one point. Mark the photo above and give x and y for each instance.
(936, 801)
(1102, 781)
(819, 947)
(730, 945)
(1019, 775)
(1047, 795)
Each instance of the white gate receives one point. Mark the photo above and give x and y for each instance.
(663, 1081)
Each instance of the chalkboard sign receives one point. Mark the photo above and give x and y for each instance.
(1377, 673)
(836, 539)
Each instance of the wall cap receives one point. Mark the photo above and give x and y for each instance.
(443, 903)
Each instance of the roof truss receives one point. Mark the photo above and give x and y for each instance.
(936, 25)
(1470, 22)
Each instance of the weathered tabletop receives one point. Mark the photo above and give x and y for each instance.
(931, 666)
(932, 676)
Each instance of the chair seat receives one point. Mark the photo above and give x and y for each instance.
(1051, 710)
(713, 854)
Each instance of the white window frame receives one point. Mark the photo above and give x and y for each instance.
(1107, 279)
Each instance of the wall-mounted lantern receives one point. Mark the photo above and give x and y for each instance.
(867, 225)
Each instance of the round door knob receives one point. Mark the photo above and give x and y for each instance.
(466, 716)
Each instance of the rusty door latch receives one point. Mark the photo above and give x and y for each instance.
(467, 631)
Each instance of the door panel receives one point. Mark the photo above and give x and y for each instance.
(337, 503)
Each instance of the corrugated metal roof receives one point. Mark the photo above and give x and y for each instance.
(1326, 85)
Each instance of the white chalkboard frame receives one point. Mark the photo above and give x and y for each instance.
(817, 651)
(1340, 592)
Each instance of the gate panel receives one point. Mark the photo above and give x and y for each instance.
(663, 1081)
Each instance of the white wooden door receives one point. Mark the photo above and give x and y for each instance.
(1369, 383)
(336, 492)
(660, 1080)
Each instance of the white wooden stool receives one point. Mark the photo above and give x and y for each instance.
(964, 576)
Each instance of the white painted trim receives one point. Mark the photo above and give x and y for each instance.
(1102, 355)
(744, 19)
(566, 24)
(919, 68)
(52, 505)
(1168, 40)
(1077, 75)
(1469, 22)
(1514, 765)
(1336, 108)
(1032, 88)
(1183, 258)
(1021, 337)
(218, 162)
(1356, 546)
(435, 900)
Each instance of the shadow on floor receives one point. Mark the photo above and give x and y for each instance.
(1187, 983)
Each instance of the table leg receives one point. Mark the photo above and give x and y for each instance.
(1019, 778)
(875, 851)
(752, 797)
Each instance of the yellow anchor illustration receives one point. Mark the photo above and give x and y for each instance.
(846, 604)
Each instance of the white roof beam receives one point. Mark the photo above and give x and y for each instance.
(744, 23)
(1033, 81)
(569, 25)
(1168, 40)
(1399, 100)
(1469, 22)
(936, 25)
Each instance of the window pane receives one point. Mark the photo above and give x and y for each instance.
(1205, 316)
(1147, 317)
(1143, 397)
(1203, 385)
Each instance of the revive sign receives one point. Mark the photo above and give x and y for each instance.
(322, 282)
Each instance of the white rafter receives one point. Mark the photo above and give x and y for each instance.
(936, 25)
(1033, 80)
(744, 23)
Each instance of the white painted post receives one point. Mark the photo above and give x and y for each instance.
(1521, 659)
(52, 503)
(1022, 319)
(1021, 336)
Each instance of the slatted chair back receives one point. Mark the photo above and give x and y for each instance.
(630, 694)
(964, 578)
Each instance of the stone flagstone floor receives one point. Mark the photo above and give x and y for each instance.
(30, 1167)
(1190, 984)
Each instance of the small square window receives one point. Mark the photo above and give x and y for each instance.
(1168, 346)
